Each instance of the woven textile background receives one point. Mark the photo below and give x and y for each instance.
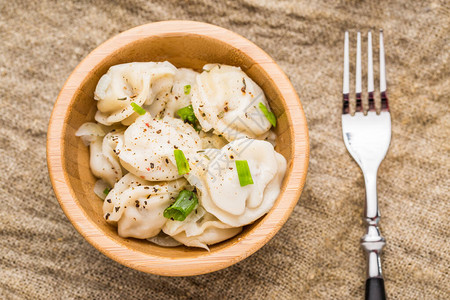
(316, 255)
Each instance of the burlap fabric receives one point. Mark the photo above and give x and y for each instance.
(316, 255)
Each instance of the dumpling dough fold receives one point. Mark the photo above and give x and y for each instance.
(200, 229)
(104, 162)
(138, 82)
(136, 206)
(218, 186)
(226, 100)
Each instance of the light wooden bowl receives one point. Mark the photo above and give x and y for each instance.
(185, 44)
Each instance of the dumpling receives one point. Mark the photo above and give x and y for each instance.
(138, 82)
(148, 144)
(136, 206)
(217, 181)
(179, 96)
(104, 162)
(89, 132)
(200, 229)
(227, 100)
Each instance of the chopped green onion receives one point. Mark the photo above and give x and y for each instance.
(106, 191)
(184, 204)
(245, 177)
(188, 116)
(182, 163)
(121, 99)
(269, 115)
(138, 109)
(187, 89)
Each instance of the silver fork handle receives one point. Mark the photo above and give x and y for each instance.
(372, 242)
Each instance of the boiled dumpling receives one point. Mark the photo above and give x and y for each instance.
(218, 184)
(138, 82)
(200, 229)
(178, 97)
(104, 162)
(136, 206)
(226, 100)
(148, 144)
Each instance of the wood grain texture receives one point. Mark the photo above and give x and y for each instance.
(185, 44)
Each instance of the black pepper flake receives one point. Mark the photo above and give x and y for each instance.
(117, 208)
(149, 196)
(107, 216)
(245, 85)
(152, 165)
(108, 200)
(146, 187)
(231, 156)
(158, 131)
(167, 161)
(175, 146)
(137, 203)
(145, 202)
(225, 108)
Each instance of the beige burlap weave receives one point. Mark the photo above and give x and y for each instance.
(316, 255)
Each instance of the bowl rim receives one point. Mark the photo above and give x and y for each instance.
(166, 266)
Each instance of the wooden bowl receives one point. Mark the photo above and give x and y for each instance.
(184, 44)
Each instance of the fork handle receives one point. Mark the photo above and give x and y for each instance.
(372, 242)
(375, 289)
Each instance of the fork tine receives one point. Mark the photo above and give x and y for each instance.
(346, 79)
(370, 87)
(384, 99)
(358, 86)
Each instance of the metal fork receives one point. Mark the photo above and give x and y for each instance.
(367, 137)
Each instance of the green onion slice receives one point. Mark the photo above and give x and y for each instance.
(188, 116)
(187, 89)
(245, 177)
(184, 204)
(269, 115)
(106, 191)
(182, 163)
(138, 109)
